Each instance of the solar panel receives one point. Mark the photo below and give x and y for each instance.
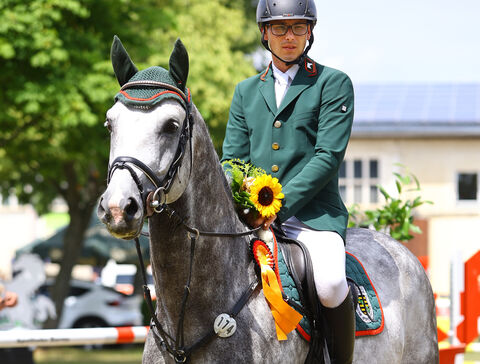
(449, 106)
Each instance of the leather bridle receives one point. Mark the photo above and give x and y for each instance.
(161, 185)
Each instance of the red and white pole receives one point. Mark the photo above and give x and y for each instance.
(71, 337)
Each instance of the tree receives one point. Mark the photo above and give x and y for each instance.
(58, 83)
(217, 35)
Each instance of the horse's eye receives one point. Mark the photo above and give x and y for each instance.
(108, 125)
(170, 127)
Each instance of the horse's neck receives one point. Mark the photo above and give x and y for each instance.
(220, 272)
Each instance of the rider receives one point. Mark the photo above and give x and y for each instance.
(294, 120)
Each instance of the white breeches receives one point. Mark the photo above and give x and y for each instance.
(327, 251)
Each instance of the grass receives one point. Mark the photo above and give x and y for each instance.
(56, 220)
(128, 354)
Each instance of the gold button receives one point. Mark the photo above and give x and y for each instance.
(274, 168)
(277, 124)
(275, 146)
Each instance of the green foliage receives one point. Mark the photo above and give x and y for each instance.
(395, 217)
(239, 173)
(58, 85)
(217, 35)
(58, 81)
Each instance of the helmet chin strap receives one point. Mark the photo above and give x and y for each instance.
(299, 60)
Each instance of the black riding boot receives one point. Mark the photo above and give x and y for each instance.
(341, 328)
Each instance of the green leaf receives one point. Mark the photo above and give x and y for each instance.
(384, 192)
(399, 186)
(415, 229)
(237, 177)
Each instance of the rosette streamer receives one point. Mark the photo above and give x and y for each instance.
(286, 318)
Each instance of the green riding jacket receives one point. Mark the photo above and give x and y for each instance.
(302, 142)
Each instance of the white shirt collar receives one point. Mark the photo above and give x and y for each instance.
(283, 76)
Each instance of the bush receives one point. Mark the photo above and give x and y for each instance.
(395, 217)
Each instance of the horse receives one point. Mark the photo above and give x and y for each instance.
(163, 166)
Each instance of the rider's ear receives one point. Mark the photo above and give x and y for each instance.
(179, 64)
(123, 66)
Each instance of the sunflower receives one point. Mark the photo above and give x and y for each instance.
(266, 193)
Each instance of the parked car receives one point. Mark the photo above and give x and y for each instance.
(89, 304)
(121, 277)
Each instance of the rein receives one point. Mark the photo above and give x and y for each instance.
(177, 348)
(153, 204)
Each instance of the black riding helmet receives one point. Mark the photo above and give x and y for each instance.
(268, 10)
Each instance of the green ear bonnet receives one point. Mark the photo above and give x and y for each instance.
(144, 96)
(145, 89)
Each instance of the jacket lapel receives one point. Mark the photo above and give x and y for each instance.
(267, 89)
(306, 76)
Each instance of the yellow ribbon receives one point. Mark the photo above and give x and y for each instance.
(286, 318)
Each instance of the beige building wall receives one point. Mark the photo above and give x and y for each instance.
(453, 225)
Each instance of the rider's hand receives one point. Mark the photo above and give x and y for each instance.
(260, 221)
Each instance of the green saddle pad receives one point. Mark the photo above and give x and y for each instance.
(369, 313)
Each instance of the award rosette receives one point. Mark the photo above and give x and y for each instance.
(286, 318)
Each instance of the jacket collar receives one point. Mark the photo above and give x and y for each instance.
(267, 88)
(306, 76)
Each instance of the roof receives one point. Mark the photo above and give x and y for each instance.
(417, 110)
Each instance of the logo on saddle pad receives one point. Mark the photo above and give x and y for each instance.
(364, 307)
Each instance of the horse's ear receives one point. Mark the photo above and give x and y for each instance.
(179, 64)
(123, 66)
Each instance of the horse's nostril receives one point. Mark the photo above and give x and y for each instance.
(102, 213)
(130, 209)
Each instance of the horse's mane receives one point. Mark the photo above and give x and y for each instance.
(206, 140)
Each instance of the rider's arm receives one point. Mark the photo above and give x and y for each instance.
(237, 142)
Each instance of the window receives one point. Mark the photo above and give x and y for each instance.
(373, 168)
(467, 186)
(358, 180)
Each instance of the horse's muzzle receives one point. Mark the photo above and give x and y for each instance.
(123, 217)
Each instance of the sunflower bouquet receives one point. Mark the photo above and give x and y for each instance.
(253, 190)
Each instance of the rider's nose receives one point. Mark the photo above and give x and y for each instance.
(289, 34)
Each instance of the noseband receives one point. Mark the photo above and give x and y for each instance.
(161, 185)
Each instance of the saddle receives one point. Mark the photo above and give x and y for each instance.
(294, 259)
(299, 265)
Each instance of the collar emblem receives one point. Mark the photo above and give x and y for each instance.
(310, 67)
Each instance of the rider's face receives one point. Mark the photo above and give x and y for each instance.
(288, 46)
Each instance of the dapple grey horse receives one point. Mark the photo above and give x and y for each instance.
(222, 268)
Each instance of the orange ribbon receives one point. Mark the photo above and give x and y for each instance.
(286, 318)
